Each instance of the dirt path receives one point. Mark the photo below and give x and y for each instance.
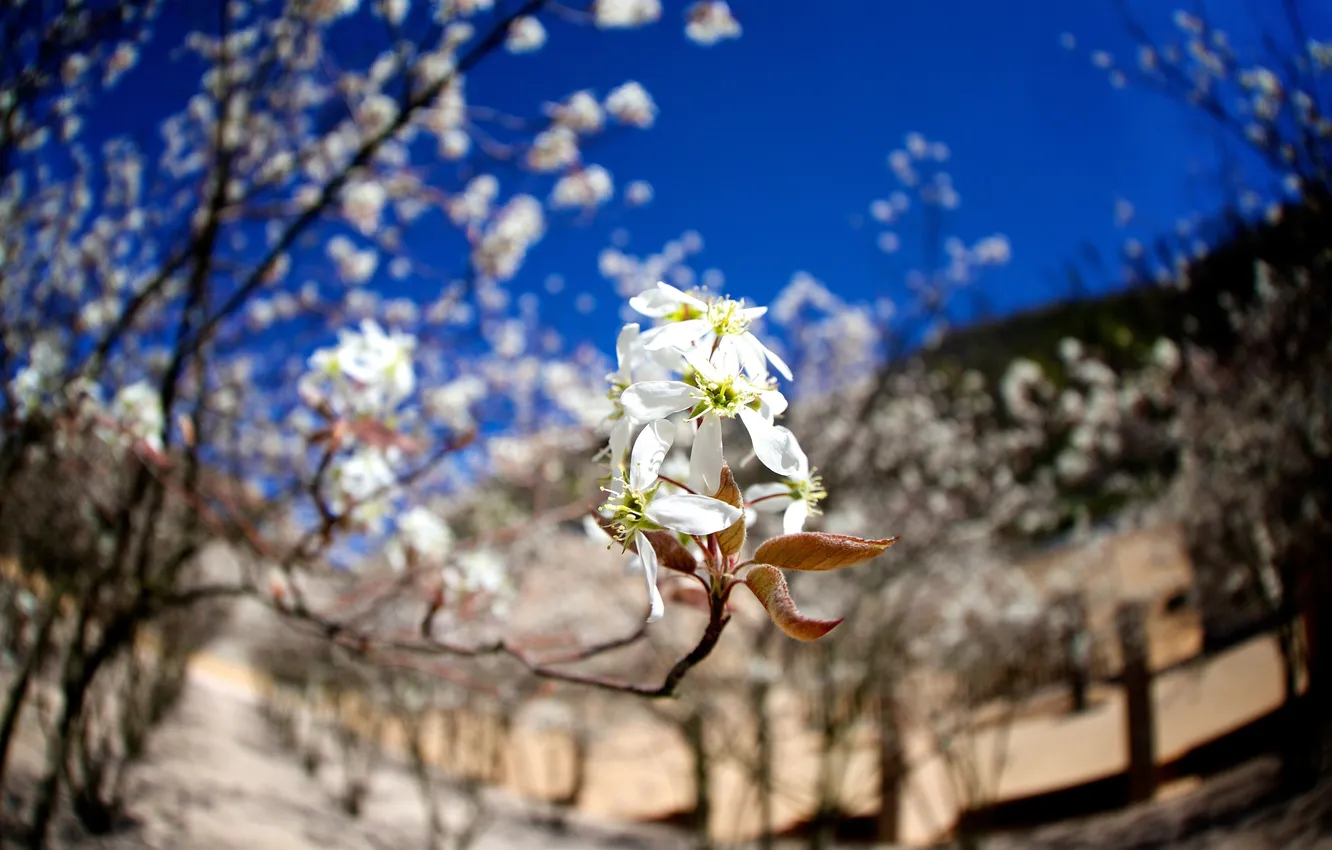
(215, 780)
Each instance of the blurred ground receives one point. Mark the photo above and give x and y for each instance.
(215, 781)
(1240, 810)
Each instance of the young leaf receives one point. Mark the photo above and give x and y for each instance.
(817, 550)
(769, 585)
(733, 538)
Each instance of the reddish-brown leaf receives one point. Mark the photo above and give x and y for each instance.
(732, 539)
(817, 550)
(671, 553)
(769, 585)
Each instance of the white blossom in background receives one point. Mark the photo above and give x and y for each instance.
(421, 535)
(580, 112)
(138, 415)
(513, 230)
(584, 188)
(631, 104)
(355, 266)
(473, 204)
(363, 485)
(709, 22)
(553, 149)
(368, 373)
(638, 193)
(625, 14)
(526, 34)
(451, 403)
(363, 204)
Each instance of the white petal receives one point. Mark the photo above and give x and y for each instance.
(793, 521)
(654, 303)
(649, 400)
(775, 449)
(751, 354)
(777, 363)
(678, 335)
(649, 451)
(649, 557)
(681, 297)
(753, 313)
(624, 348)
(663, 300)
(692, 514)
(619, 441)
(726, 359)
(705, 461)
(774, 403)
(775, 496)
(802, 460)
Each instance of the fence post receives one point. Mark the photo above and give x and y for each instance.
(1077, 649)
(1131, 622)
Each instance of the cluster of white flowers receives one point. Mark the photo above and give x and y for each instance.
(723, 373)
(138, 417)
(367, 374)
(584, 188)
(709, 22)
(624, 14)
(511, 232)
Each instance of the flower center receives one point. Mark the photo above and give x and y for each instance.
(727, 317)
(684, 313)
(628, 512)
(810, 492)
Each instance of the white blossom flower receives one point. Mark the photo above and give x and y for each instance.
(624, 14)
(363, 203)
(638, 193)
(797, 496)
(421, 533)
(636, 505)
(631, 104)
(137, 409)
(709, 22)
(553, 149)
(363, 485)
(719, 327)
(472, 205)
(503, 246)
(481, 573)
(584, 187)
(526, 34)
(368, 373)
(712, 395)
(580, 112)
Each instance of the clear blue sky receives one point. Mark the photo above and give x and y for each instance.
(767, 145)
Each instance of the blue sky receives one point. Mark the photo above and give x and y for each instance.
(769, 144)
